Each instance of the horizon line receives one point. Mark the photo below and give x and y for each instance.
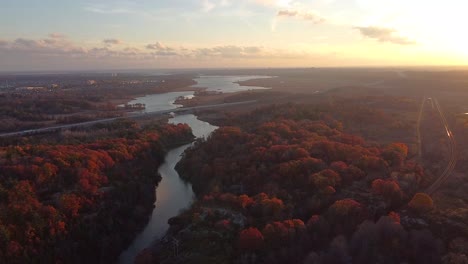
(136, 70)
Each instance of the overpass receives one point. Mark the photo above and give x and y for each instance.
(108, 120)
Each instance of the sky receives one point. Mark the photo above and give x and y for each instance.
(146, 34)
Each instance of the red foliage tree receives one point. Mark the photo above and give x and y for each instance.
(345, 215)
(71, 204)
(394, 216)
(389, 189)
(395, 153)
(251, 239)
(22, 199)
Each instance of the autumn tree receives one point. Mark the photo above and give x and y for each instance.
(23, 201)
(395, 153)
(345, 215)
(251, 239)
(421, 203)
(389, 189)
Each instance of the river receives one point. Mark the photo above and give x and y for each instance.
(160, 102)
(172, 193)
(227, 84)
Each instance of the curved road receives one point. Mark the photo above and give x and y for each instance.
(107, 120)
(453, 153)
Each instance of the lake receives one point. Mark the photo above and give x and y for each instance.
(227, 84)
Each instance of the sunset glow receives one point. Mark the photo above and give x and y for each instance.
(242, 33)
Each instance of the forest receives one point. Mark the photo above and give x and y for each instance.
(82, 196)
(75, 101)
(286, 184)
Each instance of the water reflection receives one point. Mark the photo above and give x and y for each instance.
(172, 194)
(160, 102)
(227, 84)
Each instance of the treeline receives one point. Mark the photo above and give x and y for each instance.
(41, 107)
(78, 102)
(80, 202)
(376, 118)
(285, 184)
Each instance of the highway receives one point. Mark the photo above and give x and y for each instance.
(107, 120)
(453, 153)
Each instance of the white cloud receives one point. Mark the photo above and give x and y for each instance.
(384, 35)
(308, 15)
(156, 46)
(158, 49)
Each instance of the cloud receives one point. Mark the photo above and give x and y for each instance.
(101, 9)
(287, 13)
(56, 35)
(159, 49)
(229, 51)
(123, 9)
(207, 5)
(156, 46)
(42, 47)
(112, 41)
(50, 47)
(309, 15)
(62, 53)
(384, 35)
(274, 3)
(27, 43)
(236, 53)
(47, 46)
(165, 53)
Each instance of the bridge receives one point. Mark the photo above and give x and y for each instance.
(134, 116)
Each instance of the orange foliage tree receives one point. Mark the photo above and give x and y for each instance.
(421, 203)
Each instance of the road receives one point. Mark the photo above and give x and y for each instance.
(108, 120)
(453, 153)
(418, 128)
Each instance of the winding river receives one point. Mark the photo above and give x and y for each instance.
(173, 194)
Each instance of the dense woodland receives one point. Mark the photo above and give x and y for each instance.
(285, 184)
(77, 101)
(282, 184)
(82, 196)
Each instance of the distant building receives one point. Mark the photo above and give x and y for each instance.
(5, 86)
(31, 88)
(91, 82)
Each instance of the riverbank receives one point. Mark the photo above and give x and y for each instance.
(88, 192)
(172, 195)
